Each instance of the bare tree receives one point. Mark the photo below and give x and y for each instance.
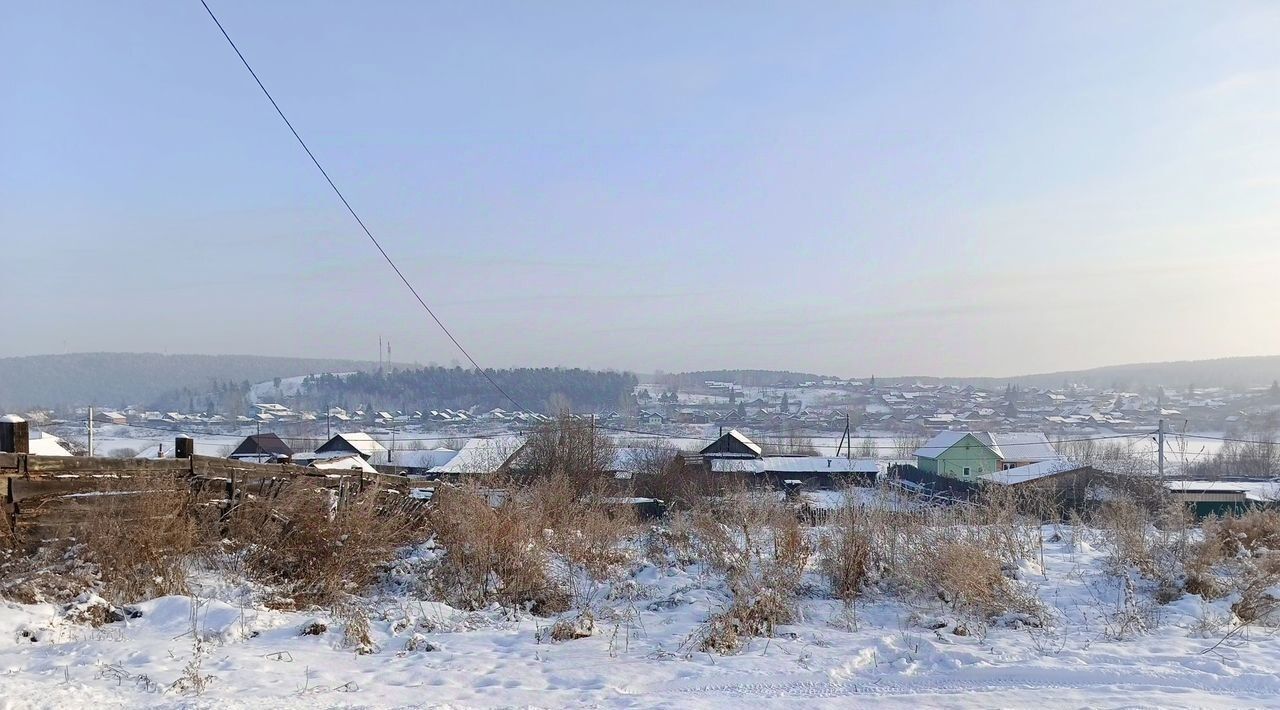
(568, 448)
(905, 445)
(649, 457)
(791, 443)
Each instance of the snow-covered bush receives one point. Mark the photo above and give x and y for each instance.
(758, 543)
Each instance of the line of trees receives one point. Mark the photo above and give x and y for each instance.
(548, 389)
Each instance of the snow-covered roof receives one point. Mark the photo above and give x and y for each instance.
(943, 440)
(1031, 472)
(362, 442)
(1261, 491)
(733, 435)
(482, 455)
(354, 462)
(425, 458)
(795, 464)
(1010, 446)
(45, 444)
(1020, 445)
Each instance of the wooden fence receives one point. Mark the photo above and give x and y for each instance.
(43, 496)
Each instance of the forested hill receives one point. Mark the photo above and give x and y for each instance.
(543, 389)
(119, 379)
(1230, 372)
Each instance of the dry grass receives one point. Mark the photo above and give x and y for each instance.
(313, 551)
(758, 543)
(1250, 533)
(140, 539)
(543, 545)
(970, 580)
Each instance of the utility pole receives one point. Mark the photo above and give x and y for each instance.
(849, 435)
(328, 422)
(1160, 455)
(90, 425)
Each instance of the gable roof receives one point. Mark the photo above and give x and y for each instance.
(1011, 446)
(1021, 446)
(486, 455)
(258, 444)
(45, 444)
(943, 440)
(425, 458)
(356, 441)
(733, 443)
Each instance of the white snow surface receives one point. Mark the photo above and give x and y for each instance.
(885, 655)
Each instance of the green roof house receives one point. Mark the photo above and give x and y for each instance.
(971, 455)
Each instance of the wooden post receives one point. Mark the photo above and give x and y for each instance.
(9, 509)
(231, 500)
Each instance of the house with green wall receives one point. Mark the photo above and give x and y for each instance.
(971, 455)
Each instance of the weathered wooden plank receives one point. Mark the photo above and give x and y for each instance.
(77, 510)
(10, 461)
(26, 488)
(85, 464)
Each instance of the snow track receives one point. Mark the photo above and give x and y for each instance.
(1261, 686)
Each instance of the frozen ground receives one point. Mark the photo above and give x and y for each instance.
(428, 655)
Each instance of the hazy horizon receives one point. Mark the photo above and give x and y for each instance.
(662, 370)
(905, 190)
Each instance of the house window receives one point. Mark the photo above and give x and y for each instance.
(966, 471)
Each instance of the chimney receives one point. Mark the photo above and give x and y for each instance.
(15, 434)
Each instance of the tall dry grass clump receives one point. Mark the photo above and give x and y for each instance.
(1240, 555)
(542, 545)
(1159, 545)
(963, 556)
(759, 544)
(140, 537)
(314, 546)
(970, 580)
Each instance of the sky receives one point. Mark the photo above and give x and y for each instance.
(959, 189)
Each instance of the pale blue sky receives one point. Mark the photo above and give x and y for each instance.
(897, 188)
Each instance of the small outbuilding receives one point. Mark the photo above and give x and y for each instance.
(262, 448)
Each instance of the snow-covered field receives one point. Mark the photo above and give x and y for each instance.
(884, 651)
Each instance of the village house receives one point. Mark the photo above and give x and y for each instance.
(970, 455)
(262, 448)
(352, 443)
(734, 453)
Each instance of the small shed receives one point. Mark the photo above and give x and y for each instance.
(262, 448)
(1208, 498)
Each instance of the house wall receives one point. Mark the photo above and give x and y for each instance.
(968, 452)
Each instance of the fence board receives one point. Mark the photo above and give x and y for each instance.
(51, 495)
(53, 465)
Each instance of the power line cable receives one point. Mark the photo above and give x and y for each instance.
(350, 209)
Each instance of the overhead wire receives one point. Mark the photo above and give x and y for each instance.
(347, 204)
